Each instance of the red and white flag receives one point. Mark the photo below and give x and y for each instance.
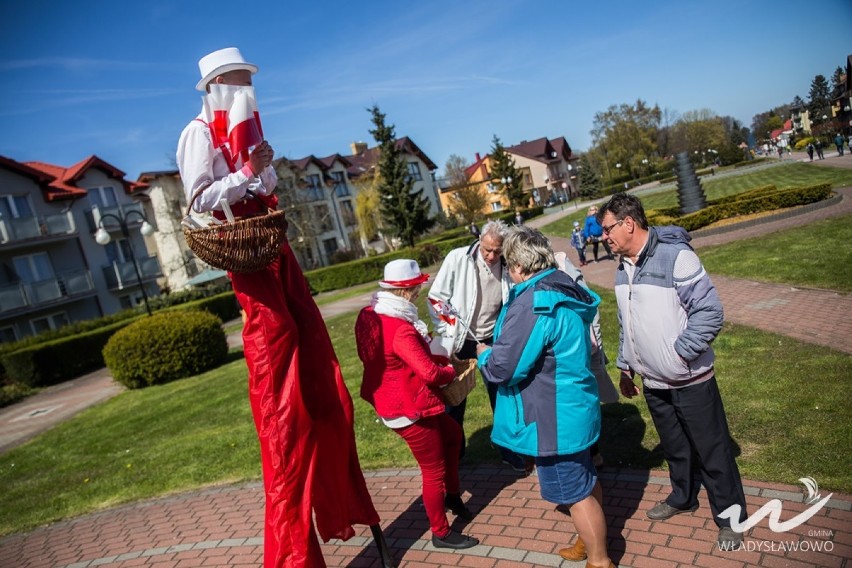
(233, 118)
(444, 311)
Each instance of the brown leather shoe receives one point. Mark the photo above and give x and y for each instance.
(576, 552)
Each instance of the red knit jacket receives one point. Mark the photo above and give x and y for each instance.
(400, 374)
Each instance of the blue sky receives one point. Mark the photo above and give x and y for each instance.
(116, 79)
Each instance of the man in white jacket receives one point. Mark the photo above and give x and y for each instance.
(474, 282)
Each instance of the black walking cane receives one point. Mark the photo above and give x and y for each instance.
(384, 552)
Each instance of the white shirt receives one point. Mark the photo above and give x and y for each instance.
(201, 164)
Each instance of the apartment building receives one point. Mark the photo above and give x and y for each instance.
(548, 175)
(54, 271)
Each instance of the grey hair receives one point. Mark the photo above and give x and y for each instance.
(495, 228)
(528, 250)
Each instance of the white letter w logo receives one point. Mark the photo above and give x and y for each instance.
(773, 510)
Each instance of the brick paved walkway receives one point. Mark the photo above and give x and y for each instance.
(223, 526)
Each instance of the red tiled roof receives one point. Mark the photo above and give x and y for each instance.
(63, 185)
(363, 162)
(542, 149)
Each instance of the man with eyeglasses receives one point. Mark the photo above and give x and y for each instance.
(670, 313)
(474, 281)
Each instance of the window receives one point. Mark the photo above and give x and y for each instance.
(340, 187)
(314, 187)
(330, 246)
(15, 207)
(496, 206)
(47, 323)
(102, 197)
(118, 251)
(414, 171)
(33, 267)
(348, 212)
(323, 217)
(8, 334)
(492, 188)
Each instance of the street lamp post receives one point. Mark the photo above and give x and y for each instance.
(645, 163)
(102, 238)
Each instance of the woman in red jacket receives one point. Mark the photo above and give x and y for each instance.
(400, 381)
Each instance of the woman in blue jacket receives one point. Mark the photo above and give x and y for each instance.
(547, 397)
(593, 232)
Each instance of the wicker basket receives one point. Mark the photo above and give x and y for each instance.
(455, 392)
(246, 245)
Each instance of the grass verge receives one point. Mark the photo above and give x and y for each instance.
(817, 255)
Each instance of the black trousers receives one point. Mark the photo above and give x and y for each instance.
(694, 436)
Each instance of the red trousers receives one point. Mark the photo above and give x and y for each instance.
(435, 443)
(303, 414)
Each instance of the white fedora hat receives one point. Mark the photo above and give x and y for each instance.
(402, 273)
(214, 64)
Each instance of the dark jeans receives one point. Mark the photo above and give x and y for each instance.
(596, 242)
(468, 351)
(694, 436)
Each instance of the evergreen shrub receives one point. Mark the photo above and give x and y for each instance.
(165, 347)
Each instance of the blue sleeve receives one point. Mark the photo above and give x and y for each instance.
(516, 350)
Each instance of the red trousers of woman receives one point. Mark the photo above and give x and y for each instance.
(435, 443)
(303, 414)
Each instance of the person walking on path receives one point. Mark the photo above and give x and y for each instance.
(818, 146)
(401, 381)
(578, 241)
(474, 282)
(593, 233)
(302, 410)
(838, 141)
(670, 313)
(547, 397)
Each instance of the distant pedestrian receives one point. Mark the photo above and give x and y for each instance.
(474, 230)
(810, 149)
(838, 141)
(818, 146)
(578, 241)
(519, 219)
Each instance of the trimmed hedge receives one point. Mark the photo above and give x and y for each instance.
(765, 198)
(62, 359)
(166, 347)
(66, 358)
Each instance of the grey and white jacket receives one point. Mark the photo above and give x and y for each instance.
(456, 283)
(669, 312)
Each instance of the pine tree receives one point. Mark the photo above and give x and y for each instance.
(503, 168)
(819, 101)
(405, 212)
(589, 182)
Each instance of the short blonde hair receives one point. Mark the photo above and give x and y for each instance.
(528, 250)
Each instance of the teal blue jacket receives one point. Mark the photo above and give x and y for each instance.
(547, 396)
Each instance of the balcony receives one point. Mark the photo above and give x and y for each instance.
(121, 275)
(67, 286)
(93, 216)
(13, 231)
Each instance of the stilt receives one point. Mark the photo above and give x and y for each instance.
(384, 552)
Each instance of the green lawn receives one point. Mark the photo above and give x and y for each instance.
(783, 176)
(198, 431)
(814, 256)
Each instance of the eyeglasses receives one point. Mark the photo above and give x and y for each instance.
(608, 230)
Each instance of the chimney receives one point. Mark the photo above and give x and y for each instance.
(358, 148)
(478, 159)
